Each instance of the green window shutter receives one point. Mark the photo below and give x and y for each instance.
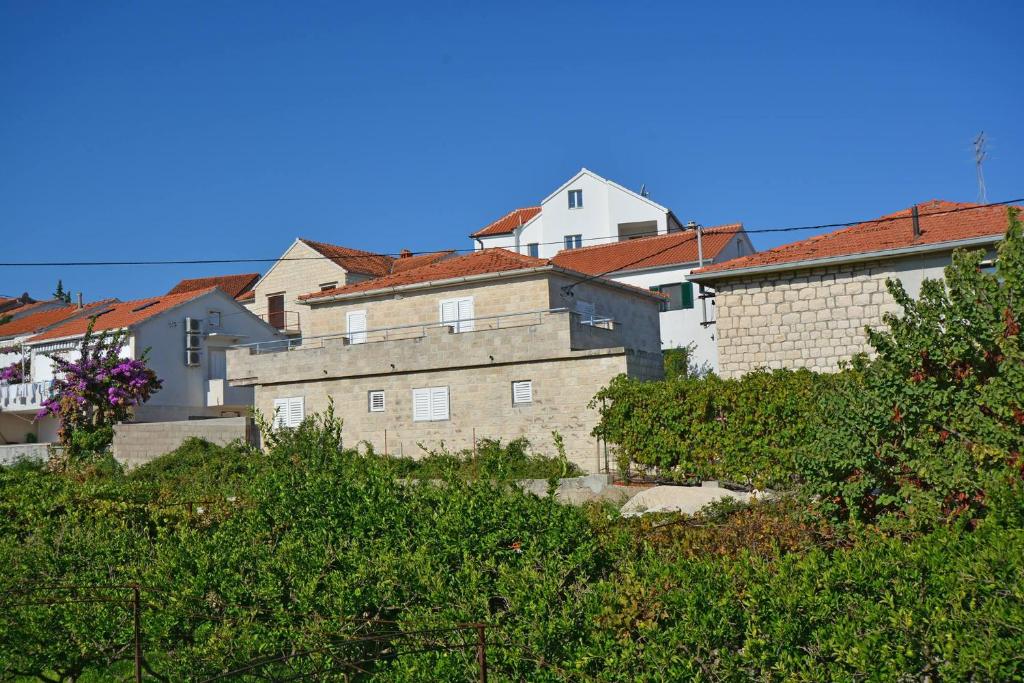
(687, 295)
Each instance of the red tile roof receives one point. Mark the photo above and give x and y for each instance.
(251, 294)
(508, 223)
(475, 263)
(44, 318)
(940, 221)
(404, 263)
(647, 252)
(233, 285)
(353, 260)
(120, 314)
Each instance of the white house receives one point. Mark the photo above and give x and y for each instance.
(663, 263)
(593, 225)
(185, 336)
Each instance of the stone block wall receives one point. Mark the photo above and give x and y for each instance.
(811, 318)
(480, 399)
(140, 442)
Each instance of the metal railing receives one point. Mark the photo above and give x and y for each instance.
(286, 321)
(418, 330)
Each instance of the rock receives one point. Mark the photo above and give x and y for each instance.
(685, 499)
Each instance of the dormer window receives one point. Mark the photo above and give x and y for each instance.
(575, 199)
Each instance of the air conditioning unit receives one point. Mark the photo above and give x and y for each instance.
(193, 326)
(191, 358)
(192, 341)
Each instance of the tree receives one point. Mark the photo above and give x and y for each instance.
(60, 294)
(97, 391)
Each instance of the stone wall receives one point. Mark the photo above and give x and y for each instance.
(811, 318)
(140, 442)
(34, 452)
(480, 399)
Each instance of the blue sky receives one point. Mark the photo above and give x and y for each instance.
(226, 129)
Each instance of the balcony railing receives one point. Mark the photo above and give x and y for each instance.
(285, 321)
(24, 395)
(398, 332)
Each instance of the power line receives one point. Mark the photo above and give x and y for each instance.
(179, 262)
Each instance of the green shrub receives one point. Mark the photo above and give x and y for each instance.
(493, 460)
(748, 430)
(937, 418)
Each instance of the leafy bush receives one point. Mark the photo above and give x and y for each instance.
(321, 563)
(493, 460)
(747, 430)
(937, 418)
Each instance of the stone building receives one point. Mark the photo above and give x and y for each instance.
(806, 304)
(492, 344)
(307, 266)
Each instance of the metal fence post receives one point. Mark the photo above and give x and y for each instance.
(481, 652)
(137, 618)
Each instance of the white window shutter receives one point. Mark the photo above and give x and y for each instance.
(439, 403)
(522, 391)
(296, 411)
(420, 405)
(466, 315)
(280, 412)
(450, 313)
(356, 322)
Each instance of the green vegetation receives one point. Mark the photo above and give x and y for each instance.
(492, 460)
(899, 554)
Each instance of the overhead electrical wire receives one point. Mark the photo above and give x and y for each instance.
(176, 262)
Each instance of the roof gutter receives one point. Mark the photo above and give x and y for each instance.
(846, 258)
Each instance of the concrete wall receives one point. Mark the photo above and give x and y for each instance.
(138, 443)
(810, 318)
(10, 455)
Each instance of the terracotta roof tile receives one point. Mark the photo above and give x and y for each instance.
(353, 260)
(508, 223)
(646, 252)
(44, 318)
(233, 285)
(475, 263)
(404, 263)
(251, 294)
(940, 221)
(120, 314)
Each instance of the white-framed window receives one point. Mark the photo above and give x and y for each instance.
(575, 199)
(573, 241)
(375, 401)
(458, 313)
(533, 249)
(289, 412)
(587, 312)
(213, 318)
(430, 404)
(355, 326)
(522, 392)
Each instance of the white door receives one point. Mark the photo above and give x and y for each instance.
(218, 364)
(355, 322)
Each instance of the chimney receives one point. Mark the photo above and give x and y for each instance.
(691, 225)
(917, 222)
(405, 253)
(80, 300)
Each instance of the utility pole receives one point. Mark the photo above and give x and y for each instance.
(979, 156)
